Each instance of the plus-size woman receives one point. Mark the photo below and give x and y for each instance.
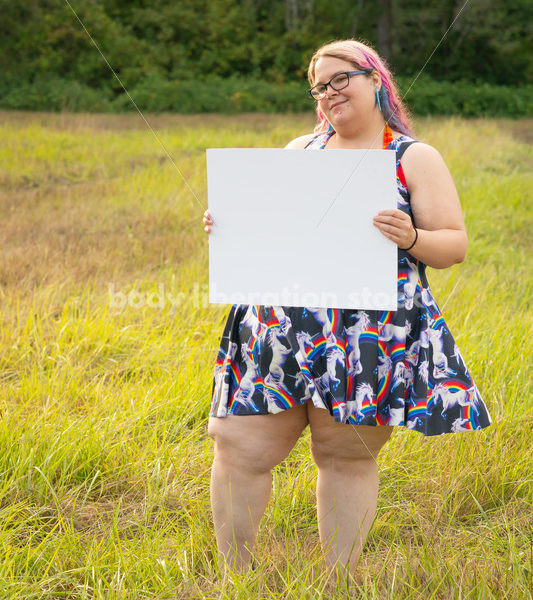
(351, 375)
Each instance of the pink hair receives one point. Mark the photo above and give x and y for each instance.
(363, 56)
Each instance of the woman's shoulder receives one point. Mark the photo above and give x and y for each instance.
(302, 141)
(423, 163)
(420, 154)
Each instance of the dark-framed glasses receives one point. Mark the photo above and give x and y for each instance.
(338, 82)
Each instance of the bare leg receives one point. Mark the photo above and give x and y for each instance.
(347, 486)
(247, 448)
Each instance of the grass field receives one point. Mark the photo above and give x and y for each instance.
(105, 388)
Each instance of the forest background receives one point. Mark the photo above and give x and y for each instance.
(230, 56)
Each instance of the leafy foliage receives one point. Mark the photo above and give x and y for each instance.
(237, 94)
(155, 46)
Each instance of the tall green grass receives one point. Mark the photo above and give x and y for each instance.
(104, 401)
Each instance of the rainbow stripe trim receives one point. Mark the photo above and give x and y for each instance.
(369, 335)
(283, 398)
(397, 352)
(438, 323)
(384, 387)
(385, 317)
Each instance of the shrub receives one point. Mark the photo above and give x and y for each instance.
(234, 95)
(467, 98)
(55, 94)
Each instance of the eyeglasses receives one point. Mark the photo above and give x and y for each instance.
(337, 82)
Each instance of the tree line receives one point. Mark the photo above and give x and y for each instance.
(484, 40)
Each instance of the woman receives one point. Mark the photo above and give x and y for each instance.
(280, 369)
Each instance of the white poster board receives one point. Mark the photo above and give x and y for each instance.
(294, 227)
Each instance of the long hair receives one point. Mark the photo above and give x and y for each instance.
(363, 56)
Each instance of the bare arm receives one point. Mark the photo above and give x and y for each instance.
(442, 239)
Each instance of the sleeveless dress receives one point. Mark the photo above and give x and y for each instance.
(365, 367)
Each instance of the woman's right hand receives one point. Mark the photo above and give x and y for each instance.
(208, 221)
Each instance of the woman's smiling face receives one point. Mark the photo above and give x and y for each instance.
(356, 101)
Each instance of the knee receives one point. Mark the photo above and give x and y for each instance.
(239, 450)
(338, 464)
(327, 456)
(347, 452)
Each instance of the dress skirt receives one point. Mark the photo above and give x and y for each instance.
(365, 367)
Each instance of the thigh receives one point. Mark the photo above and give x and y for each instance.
(330, 439)
(257, 442)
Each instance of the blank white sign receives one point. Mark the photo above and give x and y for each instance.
(294, 227)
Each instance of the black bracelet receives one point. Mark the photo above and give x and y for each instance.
(416, 238)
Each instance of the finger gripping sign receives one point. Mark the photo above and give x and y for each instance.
(294, 228)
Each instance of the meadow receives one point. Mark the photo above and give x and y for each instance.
(106, 360)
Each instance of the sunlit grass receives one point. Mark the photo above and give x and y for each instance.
(107, 351)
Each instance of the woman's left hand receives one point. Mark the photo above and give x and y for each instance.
(397, 226)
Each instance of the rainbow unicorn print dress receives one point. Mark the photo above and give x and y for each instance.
(365, 367)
